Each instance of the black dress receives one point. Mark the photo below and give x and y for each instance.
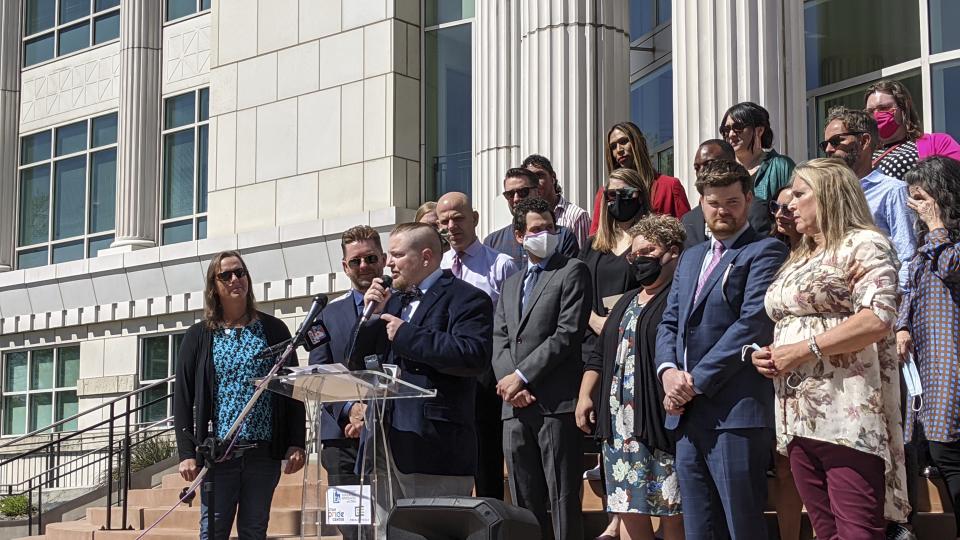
(611, 276)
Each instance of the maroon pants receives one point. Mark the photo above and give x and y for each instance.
(842, 489)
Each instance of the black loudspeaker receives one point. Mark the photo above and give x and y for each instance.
(460, 518)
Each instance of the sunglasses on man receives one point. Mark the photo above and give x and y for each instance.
(523, 192)
(227, 275)
(369, 259)
(837, 139)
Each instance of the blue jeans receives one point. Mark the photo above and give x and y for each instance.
(246, 483)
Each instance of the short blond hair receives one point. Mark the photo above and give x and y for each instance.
(661, 229)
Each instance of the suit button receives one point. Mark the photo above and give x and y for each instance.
(519, 340)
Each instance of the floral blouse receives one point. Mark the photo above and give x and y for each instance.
(850, 399)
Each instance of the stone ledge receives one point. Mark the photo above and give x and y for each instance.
(111, 384)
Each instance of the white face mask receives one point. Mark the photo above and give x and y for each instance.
(541, 244)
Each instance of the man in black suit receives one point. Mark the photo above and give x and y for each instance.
(539, 324)
(438, 330)
(363, 261)
(693, 222)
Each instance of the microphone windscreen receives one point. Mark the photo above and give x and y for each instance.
(387, 281)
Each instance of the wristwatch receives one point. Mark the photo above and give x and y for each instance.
(814, 348)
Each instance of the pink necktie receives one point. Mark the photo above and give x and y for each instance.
(457, 267)
(718, 250)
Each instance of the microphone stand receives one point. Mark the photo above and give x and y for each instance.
(212, 450)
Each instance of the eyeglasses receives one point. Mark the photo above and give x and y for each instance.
(622, 193)
(522, 192)
(227, 275)
(632, 256)
(369, 259)
(736, 127)
(837, 139)
(881, 109)
(775, 207)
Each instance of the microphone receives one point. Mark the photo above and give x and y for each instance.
(319, 302)
(368, 309)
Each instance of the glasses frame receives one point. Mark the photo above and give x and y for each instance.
(823, 144)
(774, 207)
(356, 261)
(227, 275)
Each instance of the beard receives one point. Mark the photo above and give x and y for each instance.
(851, 157)
(723, 225)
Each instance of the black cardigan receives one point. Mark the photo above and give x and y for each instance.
(193, 395)
(649, 416)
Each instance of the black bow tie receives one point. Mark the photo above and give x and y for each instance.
(408, 297)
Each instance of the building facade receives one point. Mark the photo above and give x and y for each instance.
(139, 138)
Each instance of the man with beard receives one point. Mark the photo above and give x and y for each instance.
(852, 136)
(439, 330)
(363, 260)
(720, 409)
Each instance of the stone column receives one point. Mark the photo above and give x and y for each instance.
(729, 51)
(574, 85)
(141, 41)
(496, 109)
(9, 123)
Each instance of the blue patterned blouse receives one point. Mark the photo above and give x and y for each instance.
(931, 312)
(233, 353)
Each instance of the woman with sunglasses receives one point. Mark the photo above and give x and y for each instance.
(902, 140)
(784, 226)
(625, 201)
(217, 360)
(746, 126)
(834, 359)
(626, 147)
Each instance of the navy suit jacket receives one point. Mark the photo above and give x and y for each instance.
(445, 346)
(712, 329)
(340, 318)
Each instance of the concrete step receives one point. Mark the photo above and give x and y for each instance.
(97, 516)
(179, 534)
(283, 521)
(285, 496)
(174, 480)
(70, 530)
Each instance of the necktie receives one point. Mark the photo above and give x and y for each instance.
(718, 250)
(529, 282)
(457, 266)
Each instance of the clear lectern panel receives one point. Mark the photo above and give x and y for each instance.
(355, 504)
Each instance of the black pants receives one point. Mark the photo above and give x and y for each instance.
(489, 477)
(946, 456)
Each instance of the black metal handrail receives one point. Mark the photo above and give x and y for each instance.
(90, 461)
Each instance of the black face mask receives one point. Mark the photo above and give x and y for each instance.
(623, 209)
(646, 270)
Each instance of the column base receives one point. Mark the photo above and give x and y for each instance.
(6, 267)
(126, 245)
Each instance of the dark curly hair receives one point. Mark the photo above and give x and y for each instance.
(524, 207)
(940, 177)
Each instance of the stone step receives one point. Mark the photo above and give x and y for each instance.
(174, 480)
(97, 516)
(283, 521)
(285, 496)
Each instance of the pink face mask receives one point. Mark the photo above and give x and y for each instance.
(886, 123)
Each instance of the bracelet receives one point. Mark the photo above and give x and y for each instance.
(814, 348)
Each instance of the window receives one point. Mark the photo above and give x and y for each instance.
(68, 184)
(847, 38)
(944, 15)
(158, 360)
(946, 85)
(183, 197)
(651, 109)
(54, 28)
(182, 8)
(646, 15)
(448, 111)
(40, 388)
(447, 11)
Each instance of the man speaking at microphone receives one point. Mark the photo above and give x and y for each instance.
(439, 330)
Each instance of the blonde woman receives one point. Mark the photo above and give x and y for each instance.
(834, 359)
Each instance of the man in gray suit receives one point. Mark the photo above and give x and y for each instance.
(538, 327)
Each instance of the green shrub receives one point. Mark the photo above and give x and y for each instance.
(15, 505)
(149, 452)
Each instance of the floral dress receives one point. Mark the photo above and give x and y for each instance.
(852, 399)
(637, 480)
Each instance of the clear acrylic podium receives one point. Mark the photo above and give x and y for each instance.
(355, 508)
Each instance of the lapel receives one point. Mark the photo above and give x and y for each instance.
(545, 277)
(690, 275)
(511, 295)
(431, 296)
(721, 267)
